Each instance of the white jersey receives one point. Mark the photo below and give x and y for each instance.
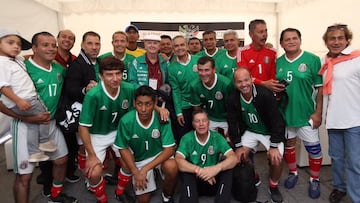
(13, 74)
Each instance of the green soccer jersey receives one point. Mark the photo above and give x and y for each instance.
(302, 75)
(226, 65)
(127, 60)
(252, 117)
(212, 99)
(180, 77)
(102, 112)
(48, 83)
(203, 154)
(215, 55)
(144, 141)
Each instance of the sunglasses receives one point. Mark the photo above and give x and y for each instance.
(337, 27)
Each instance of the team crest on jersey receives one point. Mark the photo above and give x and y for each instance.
(58, 77)
(219, 95)
(266, 60)
(211, 150)
(302, 67)
(24, 164)
(125, 104)
(155, 133)
(194, 68)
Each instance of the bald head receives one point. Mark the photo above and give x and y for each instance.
(65, 40)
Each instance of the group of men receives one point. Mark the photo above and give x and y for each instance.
(191, 113)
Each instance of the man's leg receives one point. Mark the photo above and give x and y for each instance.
(223, 194)
(189, 190)
(59, 170)
(290, 158)
(22, 188)
(170, 170)
(73, 147)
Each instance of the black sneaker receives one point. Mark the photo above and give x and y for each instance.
(72, 178)
(336, 196)
(124, 198)
(109, 179)
(275, 195)
(62, 198)
(41, 179)
(257, 179)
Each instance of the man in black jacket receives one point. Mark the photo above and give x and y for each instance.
(253, 117)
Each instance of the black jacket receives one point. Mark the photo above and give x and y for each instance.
(78, 76)
(266, 105)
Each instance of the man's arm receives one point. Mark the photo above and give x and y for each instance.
(22, 104)
(316, 117)
(184, 165)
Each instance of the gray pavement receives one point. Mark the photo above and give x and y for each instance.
(295, 195)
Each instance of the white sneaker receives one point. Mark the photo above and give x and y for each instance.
(37, 157)
(48, 146)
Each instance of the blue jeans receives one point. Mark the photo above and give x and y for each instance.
(344, 150)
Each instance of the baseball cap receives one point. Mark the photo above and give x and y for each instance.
(152, 37)
(132, 27)
(25, 45)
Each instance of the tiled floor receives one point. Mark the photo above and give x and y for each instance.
(296, 195)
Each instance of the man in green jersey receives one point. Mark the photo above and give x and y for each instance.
(205, 161)
(303, 107)
(254, 117)
(210, 91)
(145, 143)
(120, 42)
(102, 109)
(209, 44)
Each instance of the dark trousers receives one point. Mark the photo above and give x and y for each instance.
(182, 130)
(193, 187)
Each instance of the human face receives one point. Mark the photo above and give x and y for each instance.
(201, 124)
(243, 82)
(45, 49)
(119, 43)
(10, 46)
(91, 46)
(152, 46)
(180, 47)
(144, 106)
(133, 35)
(66, 40)
(259, 35)
(194, 46)
(112, 79)
(207, 74)
(231, 42)
(336, 42)
(291, 42)
(165, 46)
(209, 41)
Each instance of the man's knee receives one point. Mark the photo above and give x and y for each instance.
(60, 161)
(170, 167)
(314, 149)
(23, 179)
(290, 142)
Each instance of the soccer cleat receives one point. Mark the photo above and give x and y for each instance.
(37, 157)
(257, 180)
(72, 178)
(62, 198)
(291, 181)
(48, 146)
(275, 195)
(314, 189)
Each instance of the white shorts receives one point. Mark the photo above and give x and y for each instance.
(305, 133)
(214, 125)
(151, 184)
(101, 142)
(19, 131)
(251, 140)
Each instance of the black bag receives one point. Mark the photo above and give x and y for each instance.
(67, 115)
(243, 188)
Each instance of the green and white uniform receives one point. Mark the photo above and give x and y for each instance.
(213, 99)
(252, 118)
(302, 75)
(180, 77)
(127, 60)
(215, 55)
(226, 65)
(203, 154)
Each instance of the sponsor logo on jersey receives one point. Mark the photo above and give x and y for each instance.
(194, 153)
(266, 60)
(219, 95)
(194, 68)
(211, 150)
(125, 104)
(103, 108)
(24, 164)
(39, 81)
(155, 133)
(302, 67)
(252, 61)
(135, 136)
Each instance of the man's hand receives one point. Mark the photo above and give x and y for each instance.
(275, 156)
(140, 179)
(273, 85)
(208, 173)
(181, 120)
(23, 105)
(316, 120)
(91, 84)
(42, 118)
(164, 114)
(91, 163)
(242, 153)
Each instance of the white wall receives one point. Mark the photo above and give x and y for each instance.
(313, 17)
